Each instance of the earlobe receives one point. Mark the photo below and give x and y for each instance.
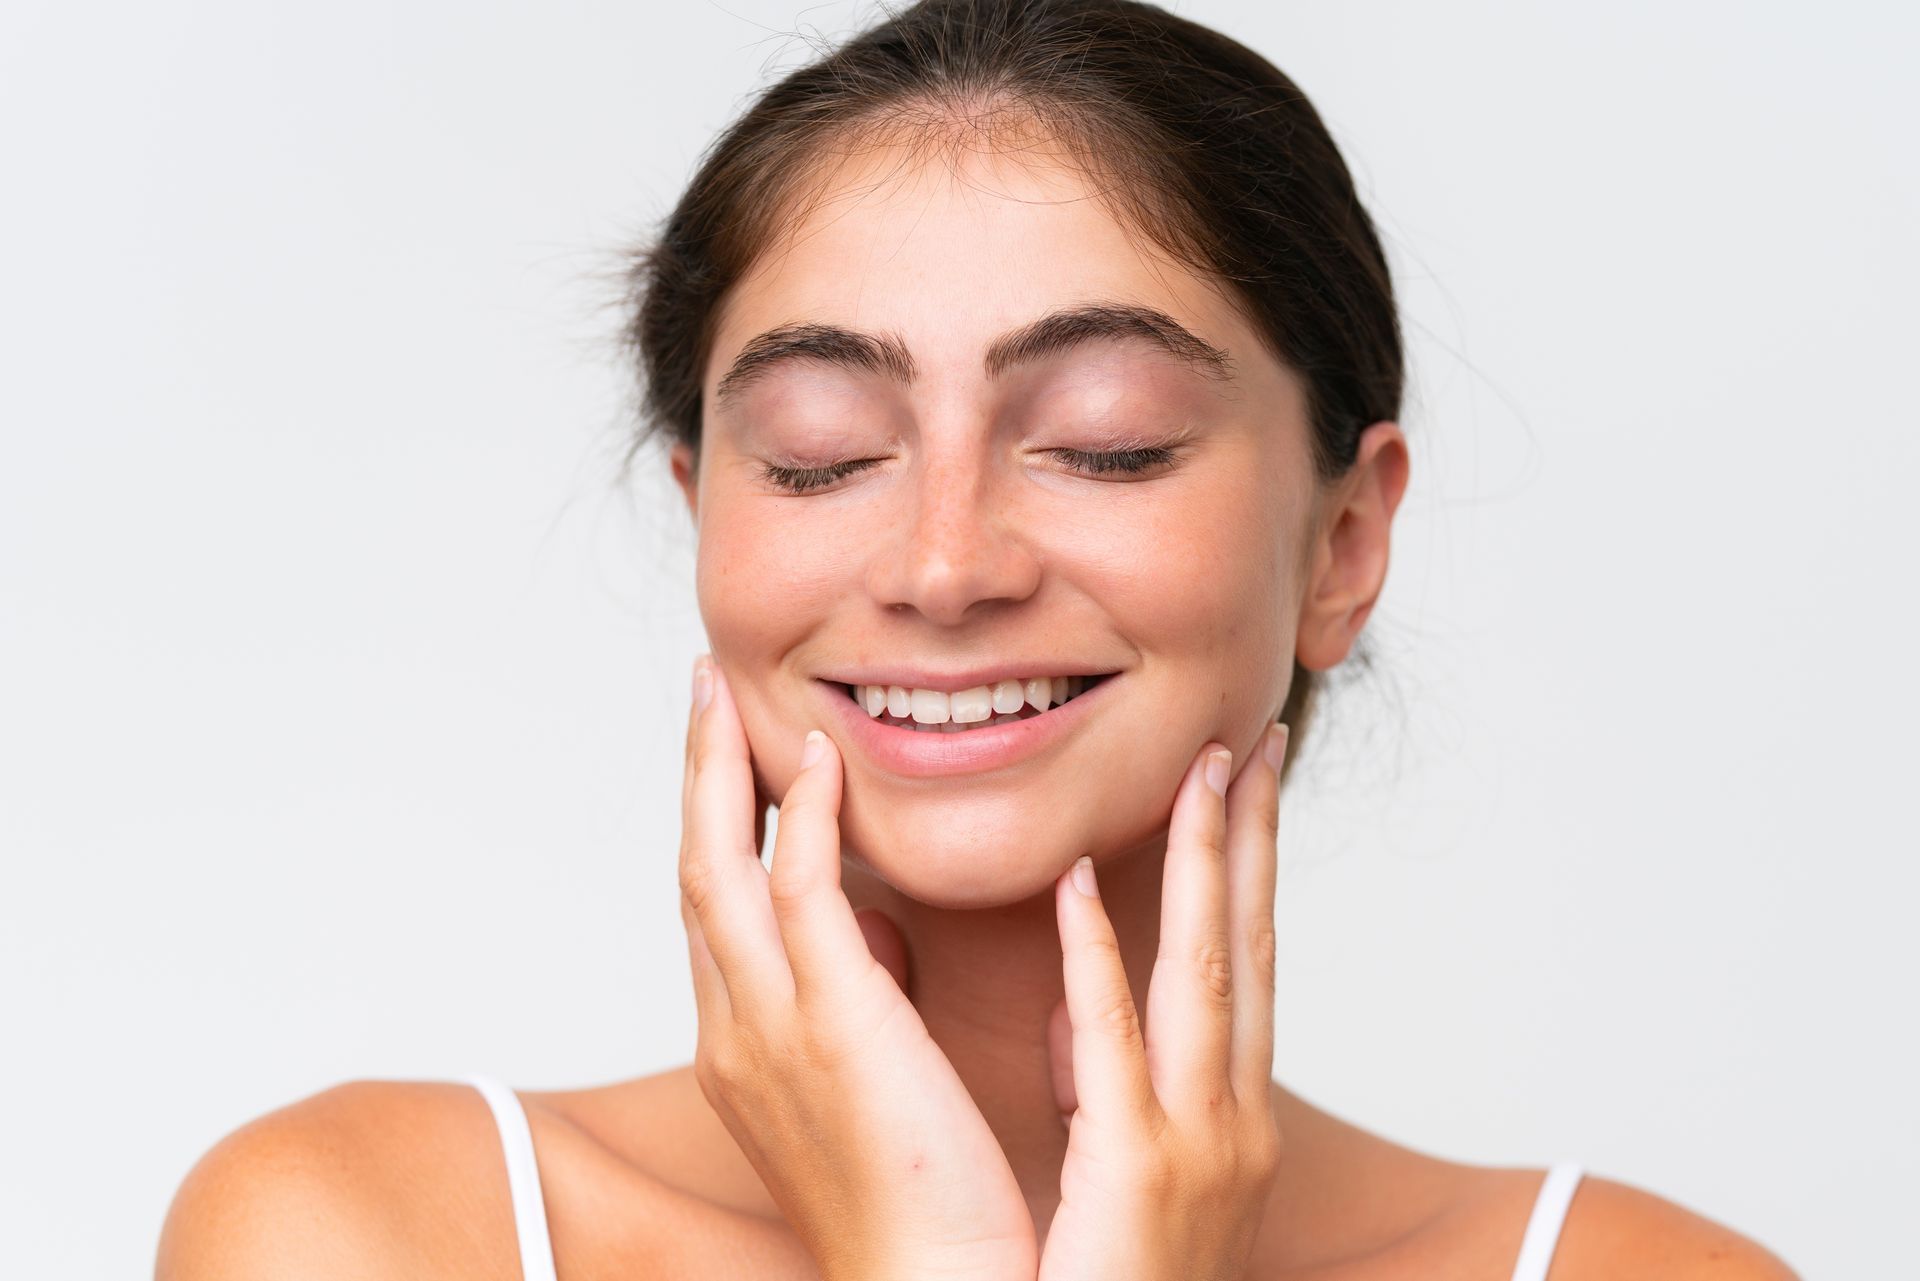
(1349, 563)
(684, 463)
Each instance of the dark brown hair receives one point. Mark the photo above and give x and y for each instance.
(1193, 139)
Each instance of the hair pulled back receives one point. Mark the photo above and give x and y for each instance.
(1193, 139)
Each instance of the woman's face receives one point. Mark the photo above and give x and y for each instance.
(969, 545)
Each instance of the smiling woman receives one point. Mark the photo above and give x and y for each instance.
(1030, 374)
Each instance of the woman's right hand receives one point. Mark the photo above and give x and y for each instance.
(810, 1052)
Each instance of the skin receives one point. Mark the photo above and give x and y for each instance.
(971, 541)
(968, 541)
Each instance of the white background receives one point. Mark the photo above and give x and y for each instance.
(342, 686)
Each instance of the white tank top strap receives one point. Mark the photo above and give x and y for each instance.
(523, 1178)
(1549, 1213)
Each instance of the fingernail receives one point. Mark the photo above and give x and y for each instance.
(1275, 748)
(702, 684)
(813, 749)
(1218, 763)
(1083, 877)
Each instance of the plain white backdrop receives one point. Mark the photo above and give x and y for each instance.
(342, 687)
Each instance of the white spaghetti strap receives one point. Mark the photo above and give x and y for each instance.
(523, 1178)
(1543, 1229)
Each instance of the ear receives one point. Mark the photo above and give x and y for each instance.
(1349, 562)
(685, 464)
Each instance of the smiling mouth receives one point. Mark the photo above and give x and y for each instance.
(946, 724)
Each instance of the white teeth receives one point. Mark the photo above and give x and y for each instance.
(1008, 696)
(937, 711)
(971, 705)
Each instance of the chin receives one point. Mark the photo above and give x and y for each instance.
(958, 864)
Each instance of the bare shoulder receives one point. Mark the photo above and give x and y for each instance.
(370, 1179)
(1615, 1229)
(1360, 1204)
(389, 1179)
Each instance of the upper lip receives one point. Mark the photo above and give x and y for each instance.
(965, 678)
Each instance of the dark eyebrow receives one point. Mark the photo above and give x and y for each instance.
(868, 353)
(1058, 331)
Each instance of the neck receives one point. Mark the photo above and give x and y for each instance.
(985, 982)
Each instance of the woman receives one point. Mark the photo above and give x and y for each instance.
(1030, 374)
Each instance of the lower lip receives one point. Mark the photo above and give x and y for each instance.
(928, 754)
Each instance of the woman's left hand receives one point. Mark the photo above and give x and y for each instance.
(1172, 1145)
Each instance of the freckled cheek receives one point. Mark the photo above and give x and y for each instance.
(763, 585)
(1204, 585)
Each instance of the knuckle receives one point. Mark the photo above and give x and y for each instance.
(1270, 820)
(1213, 965)
(787, 885)
(708, 752)
(731, 1065)
(696, 881)
(712, 1070)
(1116, 1016)
(702, 747)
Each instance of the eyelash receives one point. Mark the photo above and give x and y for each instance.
(1092, 462)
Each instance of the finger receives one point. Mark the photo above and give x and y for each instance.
(709, 993)
(825, 948)
(702, 692)
(720, 870)
(701, 672)
(1190, 995)
(1253, 832)
(1060, 1061)
(1109, 1061)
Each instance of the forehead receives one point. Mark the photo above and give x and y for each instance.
(949, 250)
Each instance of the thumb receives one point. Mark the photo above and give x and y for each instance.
(1060, 1059)
(885, 942)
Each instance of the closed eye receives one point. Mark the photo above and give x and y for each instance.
(1090, 462)
(1095, 462)
(800, 480)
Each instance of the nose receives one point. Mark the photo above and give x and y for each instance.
(957, 546)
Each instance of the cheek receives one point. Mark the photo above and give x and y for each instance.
(764, 578)
(1200, 585)
(763, 592)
